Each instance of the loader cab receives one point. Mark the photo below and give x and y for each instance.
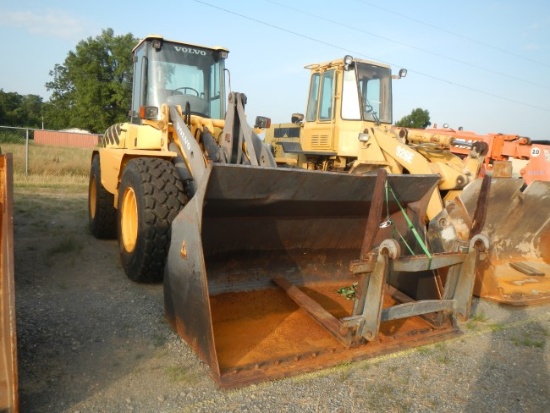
(343, 95)
(175, 73)
(364, 88)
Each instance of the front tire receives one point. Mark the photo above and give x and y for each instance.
(151, 194)
(101, 211)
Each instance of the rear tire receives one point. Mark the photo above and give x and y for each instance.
(151, 194)
(101, 210)
(111, 136)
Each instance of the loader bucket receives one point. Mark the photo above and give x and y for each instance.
(257, 258)
(8, 347)
(517, 223)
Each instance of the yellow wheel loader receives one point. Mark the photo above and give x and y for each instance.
(348, 128)
(267, 271)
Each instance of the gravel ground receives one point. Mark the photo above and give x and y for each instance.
(89, 340)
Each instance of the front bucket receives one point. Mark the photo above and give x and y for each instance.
(247, 227)
(517, 223)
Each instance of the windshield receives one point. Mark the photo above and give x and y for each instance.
(180, 74)
(374, 92)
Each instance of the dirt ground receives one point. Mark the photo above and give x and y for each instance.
(90, 340)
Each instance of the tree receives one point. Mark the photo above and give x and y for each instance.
(32, 109)
(92, 89)
(20, 110)
(418, 119)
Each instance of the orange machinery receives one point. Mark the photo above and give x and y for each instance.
(504, 147)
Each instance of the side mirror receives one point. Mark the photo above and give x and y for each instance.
(262, 122)
(402, 74)
(297, 118)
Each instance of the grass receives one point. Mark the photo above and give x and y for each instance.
(475, 321)
(159, 340)
(49, 166)
(438, 351)
(179, 374)
(535, 337)
(444, 357)
(424, 350)
(66, 246)
(528, 341)
(479, 317)
(346, 370)
(69, 246)
(497, 327)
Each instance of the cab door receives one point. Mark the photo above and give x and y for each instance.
(318, 132)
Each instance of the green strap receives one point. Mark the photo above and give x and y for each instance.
(410, 225)
(405, 242)
(394, 230)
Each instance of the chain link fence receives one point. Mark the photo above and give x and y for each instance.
(18, 140)
(17, 136)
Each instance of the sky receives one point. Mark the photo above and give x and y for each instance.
(479, 64)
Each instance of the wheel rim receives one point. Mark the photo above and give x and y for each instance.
(129, 220)
(92, 198)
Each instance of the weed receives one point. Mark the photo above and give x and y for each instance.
(65, 246)
(535, 336)
(472, 325)
(346, 373)
(362, 365)
(385, 389)
(424, 350)
(159, 340)
(180, 374)
(479, 317)
(444, 358)
(475, 320)
(497, 327)
(345, 369)
(528, 342)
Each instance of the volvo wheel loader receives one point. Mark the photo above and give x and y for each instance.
(348, 128)
(267, 272)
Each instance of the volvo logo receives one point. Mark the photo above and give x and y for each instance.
(189, 50)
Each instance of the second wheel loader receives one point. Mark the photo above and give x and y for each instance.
(267, 271)
(348, 128)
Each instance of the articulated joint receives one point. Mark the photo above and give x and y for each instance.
(480, 242)
(391, 248)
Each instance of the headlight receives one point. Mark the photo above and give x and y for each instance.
(363, 137)
(148, 112)
(348, 61)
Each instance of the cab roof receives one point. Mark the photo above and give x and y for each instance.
(340, 62)
(159, 37)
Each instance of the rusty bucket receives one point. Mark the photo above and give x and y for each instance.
(274, 272)
(517, 223)
(8, 346)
